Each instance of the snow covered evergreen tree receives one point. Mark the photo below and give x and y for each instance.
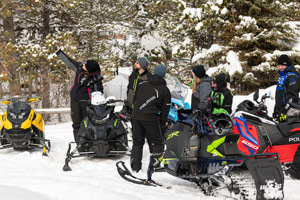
(220, 33)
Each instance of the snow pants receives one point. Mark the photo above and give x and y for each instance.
(78, 112)
(152, 132)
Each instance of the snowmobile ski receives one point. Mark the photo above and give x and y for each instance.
(128, 176)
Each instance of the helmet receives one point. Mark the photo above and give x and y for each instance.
(97, 98)
(293, 115)
(246, 105)
(222, 124)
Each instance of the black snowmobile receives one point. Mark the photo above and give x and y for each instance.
(21, 128)
(203, 150)
(102, 133)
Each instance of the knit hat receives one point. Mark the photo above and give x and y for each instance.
(160, 70)
(144, 62)
(92, 66)
(284, 60)
(220, 80)
(199, 71)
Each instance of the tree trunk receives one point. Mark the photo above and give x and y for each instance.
(12, 64)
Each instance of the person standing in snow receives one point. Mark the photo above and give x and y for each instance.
(140, 73)
(151, 106)
(221, 95)
(201, 88)
(87, 80)
(287, 89)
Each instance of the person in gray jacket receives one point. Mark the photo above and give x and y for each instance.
(201, 88)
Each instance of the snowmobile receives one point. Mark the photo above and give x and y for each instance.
(177, 98)
(102, 132)
(21, 128)
(202, 149)
(259, 133)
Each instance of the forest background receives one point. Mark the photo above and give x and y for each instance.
(177, 33)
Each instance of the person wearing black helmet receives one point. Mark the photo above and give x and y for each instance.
(87, 80)
(221, 96)
(287, 89)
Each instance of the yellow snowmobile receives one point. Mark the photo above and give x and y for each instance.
(21, 128)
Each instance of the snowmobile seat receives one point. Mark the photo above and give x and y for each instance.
(289, 129)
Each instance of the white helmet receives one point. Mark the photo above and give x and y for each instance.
(97, 98)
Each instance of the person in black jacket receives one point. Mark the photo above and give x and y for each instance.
(140, 73)
(87, 80)
(287, 89)
(221, 95)
(151, 106)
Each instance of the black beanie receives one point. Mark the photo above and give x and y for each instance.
(92, 66)
(220, 80)
(144, 62)
(199, 71)
(284, 60)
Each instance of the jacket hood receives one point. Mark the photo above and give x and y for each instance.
(206, 79)
(156, 80)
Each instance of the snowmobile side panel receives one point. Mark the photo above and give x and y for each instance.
(6, 123)
(178, 141)
(28, 122)
(268, 177)
(38, 122)
(286, 152)
(1, 122)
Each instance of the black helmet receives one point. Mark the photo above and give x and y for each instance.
(246, 105)
(222, 124)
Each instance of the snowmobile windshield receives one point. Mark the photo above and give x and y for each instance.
(177, 89)
(100, 114)
(18, 105)
(18, 110)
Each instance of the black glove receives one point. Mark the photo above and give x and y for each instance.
(275, 115)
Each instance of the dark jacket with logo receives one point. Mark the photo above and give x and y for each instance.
(134, 79)
(287, 89)
(84, 83)
(152, 100)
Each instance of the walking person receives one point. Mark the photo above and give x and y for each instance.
(151, 106)
(87, 79)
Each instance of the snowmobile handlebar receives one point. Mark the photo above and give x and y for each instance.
(265, 96)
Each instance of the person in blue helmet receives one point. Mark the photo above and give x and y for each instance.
(287, 89)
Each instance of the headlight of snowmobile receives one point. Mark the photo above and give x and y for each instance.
(21, 116)
(101, 121)
(12, 115)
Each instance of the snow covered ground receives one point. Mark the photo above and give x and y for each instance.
(31, 176)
